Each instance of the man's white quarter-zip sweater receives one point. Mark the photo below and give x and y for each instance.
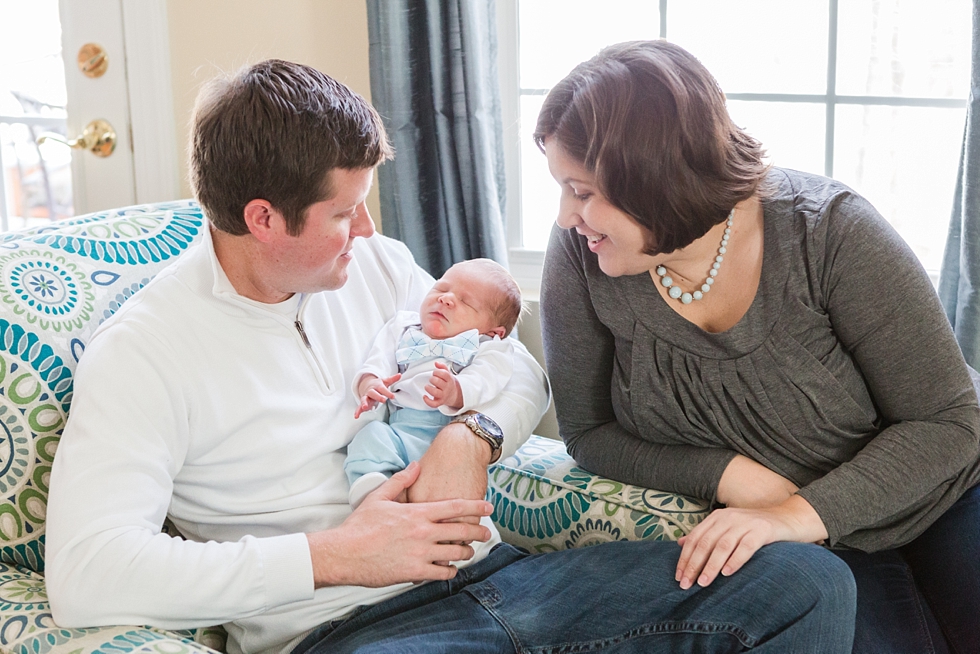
(232, 416)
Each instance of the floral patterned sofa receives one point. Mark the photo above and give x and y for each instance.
(58, 283)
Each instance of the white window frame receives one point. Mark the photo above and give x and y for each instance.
(526, 264)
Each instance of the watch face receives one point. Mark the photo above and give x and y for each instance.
(489, 426)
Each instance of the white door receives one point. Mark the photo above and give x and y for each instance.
(98, 182)
(134, 95)
(40, 76)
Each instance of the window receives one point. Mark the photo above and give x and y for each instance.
(870, 92)
(35, 185)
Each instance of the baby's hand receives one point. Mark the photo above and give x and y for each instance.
(443, 389)
(374, 391)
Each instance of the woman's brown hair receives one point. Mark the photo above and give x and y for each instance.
(650, 122)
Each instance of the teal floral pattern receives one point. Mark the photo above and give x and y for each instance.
(27, 626)
(58, 283)
(128, 237)
(46, 289)
(544, 502)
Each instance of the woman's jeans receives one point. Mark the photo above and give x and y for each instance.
(939, 570)
(616, 597)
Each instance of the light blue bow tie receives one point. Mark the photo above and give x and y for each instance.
(415, 346)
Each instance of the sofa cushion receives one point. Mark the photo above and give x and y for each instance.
(543, 501)
(58, 283)
(26, 626)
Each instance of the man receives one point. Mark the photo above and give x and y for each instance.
(219, 395)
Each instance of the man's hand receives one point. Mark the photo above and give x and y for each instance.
(728, 538)
(443, 389)
(746, 484)
(373, 391)
(384, 542)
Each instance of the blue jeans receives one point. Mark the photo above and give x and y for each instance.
(617, 597)
(910, 597)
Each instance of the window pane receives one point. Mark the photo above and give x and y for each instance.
(755, 46)
(904, 161)
(793, 133)
(901, 48)
(31, 55)
(557, 36)
(35, 179)
(539, 190)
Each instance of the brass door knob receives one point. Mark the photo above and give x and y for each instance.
(99, 138)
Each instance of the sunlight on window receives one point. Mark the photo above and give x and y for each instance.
(558, 34)
(904, 161)
(792, 132)
(539, 192)
(748, 45)
(901, 48)
(36, 181)
(771, 58)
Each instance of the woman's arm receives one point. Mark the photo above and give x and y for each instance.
(747, 484)
(580, 352)
(886, 314)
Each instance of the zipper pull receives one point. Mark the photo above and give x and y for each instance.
(302, 332)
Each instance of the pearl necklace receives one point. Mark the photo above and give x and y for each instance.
(675, 291)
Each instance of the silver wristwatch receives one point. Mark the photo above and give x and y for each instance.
(483, 426)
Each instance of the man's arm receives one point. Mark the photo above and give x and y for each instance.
(111, 486)
(455, 465)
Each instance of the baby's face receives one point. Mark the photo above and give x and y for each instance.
(459, 301)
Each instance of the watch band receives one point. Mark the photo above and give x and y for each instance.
(495, 442)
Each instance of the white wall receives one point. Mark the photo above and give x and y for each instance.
(529, 331)
(207, 38)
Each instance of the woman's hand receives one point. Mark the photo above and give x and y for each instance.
(746, 484)
(727, 538)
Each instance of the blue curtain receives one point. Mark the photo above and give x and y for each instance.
(434, 82)
(959, 280)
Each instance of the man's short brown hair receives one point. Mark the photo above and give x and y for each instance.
(274, 131)
(650, 122)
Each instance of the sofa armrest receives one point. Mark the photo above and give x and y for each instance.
(544, 502)
(26, 626)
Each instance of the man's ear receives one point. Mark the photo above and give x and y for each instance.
(497, 331)
(262, 220)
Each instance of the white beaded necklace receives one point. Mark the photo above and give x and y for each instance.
(675, 291)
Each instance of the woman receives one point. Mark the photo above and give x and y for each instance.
(759, 337)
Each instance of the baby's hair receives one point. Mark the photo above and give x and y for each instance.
(507, 307)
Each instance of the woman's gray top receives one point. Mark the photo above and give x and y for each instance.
(843, 376)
